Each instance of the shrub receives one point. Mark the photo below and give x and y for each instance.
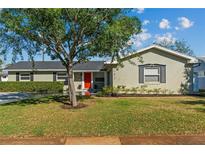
(170, 92)
(202, 90)
(149, 91)
(156, 90)
(114, 91)
(136, 90)
(106, 91)
(37, 87)
(164, 91)
(143, 89)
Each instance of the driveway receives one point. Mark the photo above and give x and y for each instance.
(12, 97)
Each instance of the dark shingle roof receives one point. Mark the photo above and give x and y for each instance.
(91, 65)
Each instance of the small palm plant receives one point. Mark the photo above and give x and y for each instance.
(149, 91)
(164, 91)
(143, 89)
(156, 90)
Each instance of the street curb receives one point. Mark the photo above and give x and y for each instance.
(105, 140)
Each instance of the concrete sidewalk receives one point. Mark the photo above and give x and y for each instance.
(134, 140)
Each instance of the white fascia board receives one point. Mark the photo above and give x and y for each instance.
(190, 58)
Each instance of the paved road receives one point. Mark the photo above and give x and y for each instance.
(12, 97)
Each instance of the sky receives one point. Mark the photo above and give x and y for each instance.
(171, 25)
(166, 24)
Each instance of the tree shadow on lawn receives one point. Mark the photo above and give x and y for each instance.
(196, 102)
(45, 100)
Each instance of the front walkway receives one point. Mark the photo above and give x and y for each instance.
(135, 140)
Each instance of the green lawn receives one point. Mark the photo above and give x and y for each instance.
(105, 116)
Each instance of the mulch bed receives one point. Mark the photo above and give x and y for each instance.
(69, 106)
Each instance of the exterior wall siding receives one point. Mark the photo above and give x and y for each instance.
(43, 76)
(128, 75)
(12, 76)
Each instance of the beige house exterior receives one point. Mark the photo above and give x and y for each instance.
(153, 57)
(153, 67)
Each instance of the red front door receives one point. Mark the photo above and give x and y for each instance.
(87, 80)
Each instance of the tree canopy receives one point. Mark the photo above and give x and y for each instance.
(71, 35)
(66, 34)
(179, 46)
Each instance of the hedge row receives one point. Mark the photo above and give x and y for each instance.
(202, 90)
(37, 87)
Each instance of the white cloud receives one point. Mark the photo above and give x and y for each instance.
(185, 22)
(140, 10)
(164, 24)
(165, 38)
(145, 22)
(140, 38)
(176, 28)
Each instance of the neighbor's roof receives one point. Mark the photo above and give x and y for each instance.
(202, 58)
(190, 58)
(55, 65)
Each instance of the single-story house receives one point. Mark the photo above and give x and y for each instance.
(199, 75)
(158, 67)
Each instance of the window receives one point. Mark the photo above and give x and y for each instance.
(25, 77)
(151, 74)
(61, 76)
(99, 79)
(78, 76)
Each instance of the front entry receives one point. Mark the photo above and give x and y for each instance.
(87, 80)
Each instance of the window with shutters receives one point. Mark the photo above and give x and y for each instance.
(25, 77)
(151, 74)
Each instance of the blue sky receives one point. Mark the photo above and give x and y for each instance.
(171, 25)
(166, 24)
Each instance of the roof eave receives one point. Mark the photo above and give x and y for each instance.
(44, 70)
(189, 58)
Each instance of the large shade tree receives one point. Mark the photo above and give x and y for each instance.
(70, 35)
(180, 46)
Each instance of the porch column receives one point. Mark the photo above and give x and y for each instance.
(105, 79)
(92, 80)
(82, 81)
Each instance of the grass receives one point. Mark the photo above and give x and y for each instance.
(104, 116)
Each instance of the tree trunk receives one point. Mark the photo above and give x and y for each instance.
(71, 86)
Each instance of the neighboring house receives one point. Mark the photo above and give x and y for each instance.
(199, 75)
(4, 76)
(159, 68)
